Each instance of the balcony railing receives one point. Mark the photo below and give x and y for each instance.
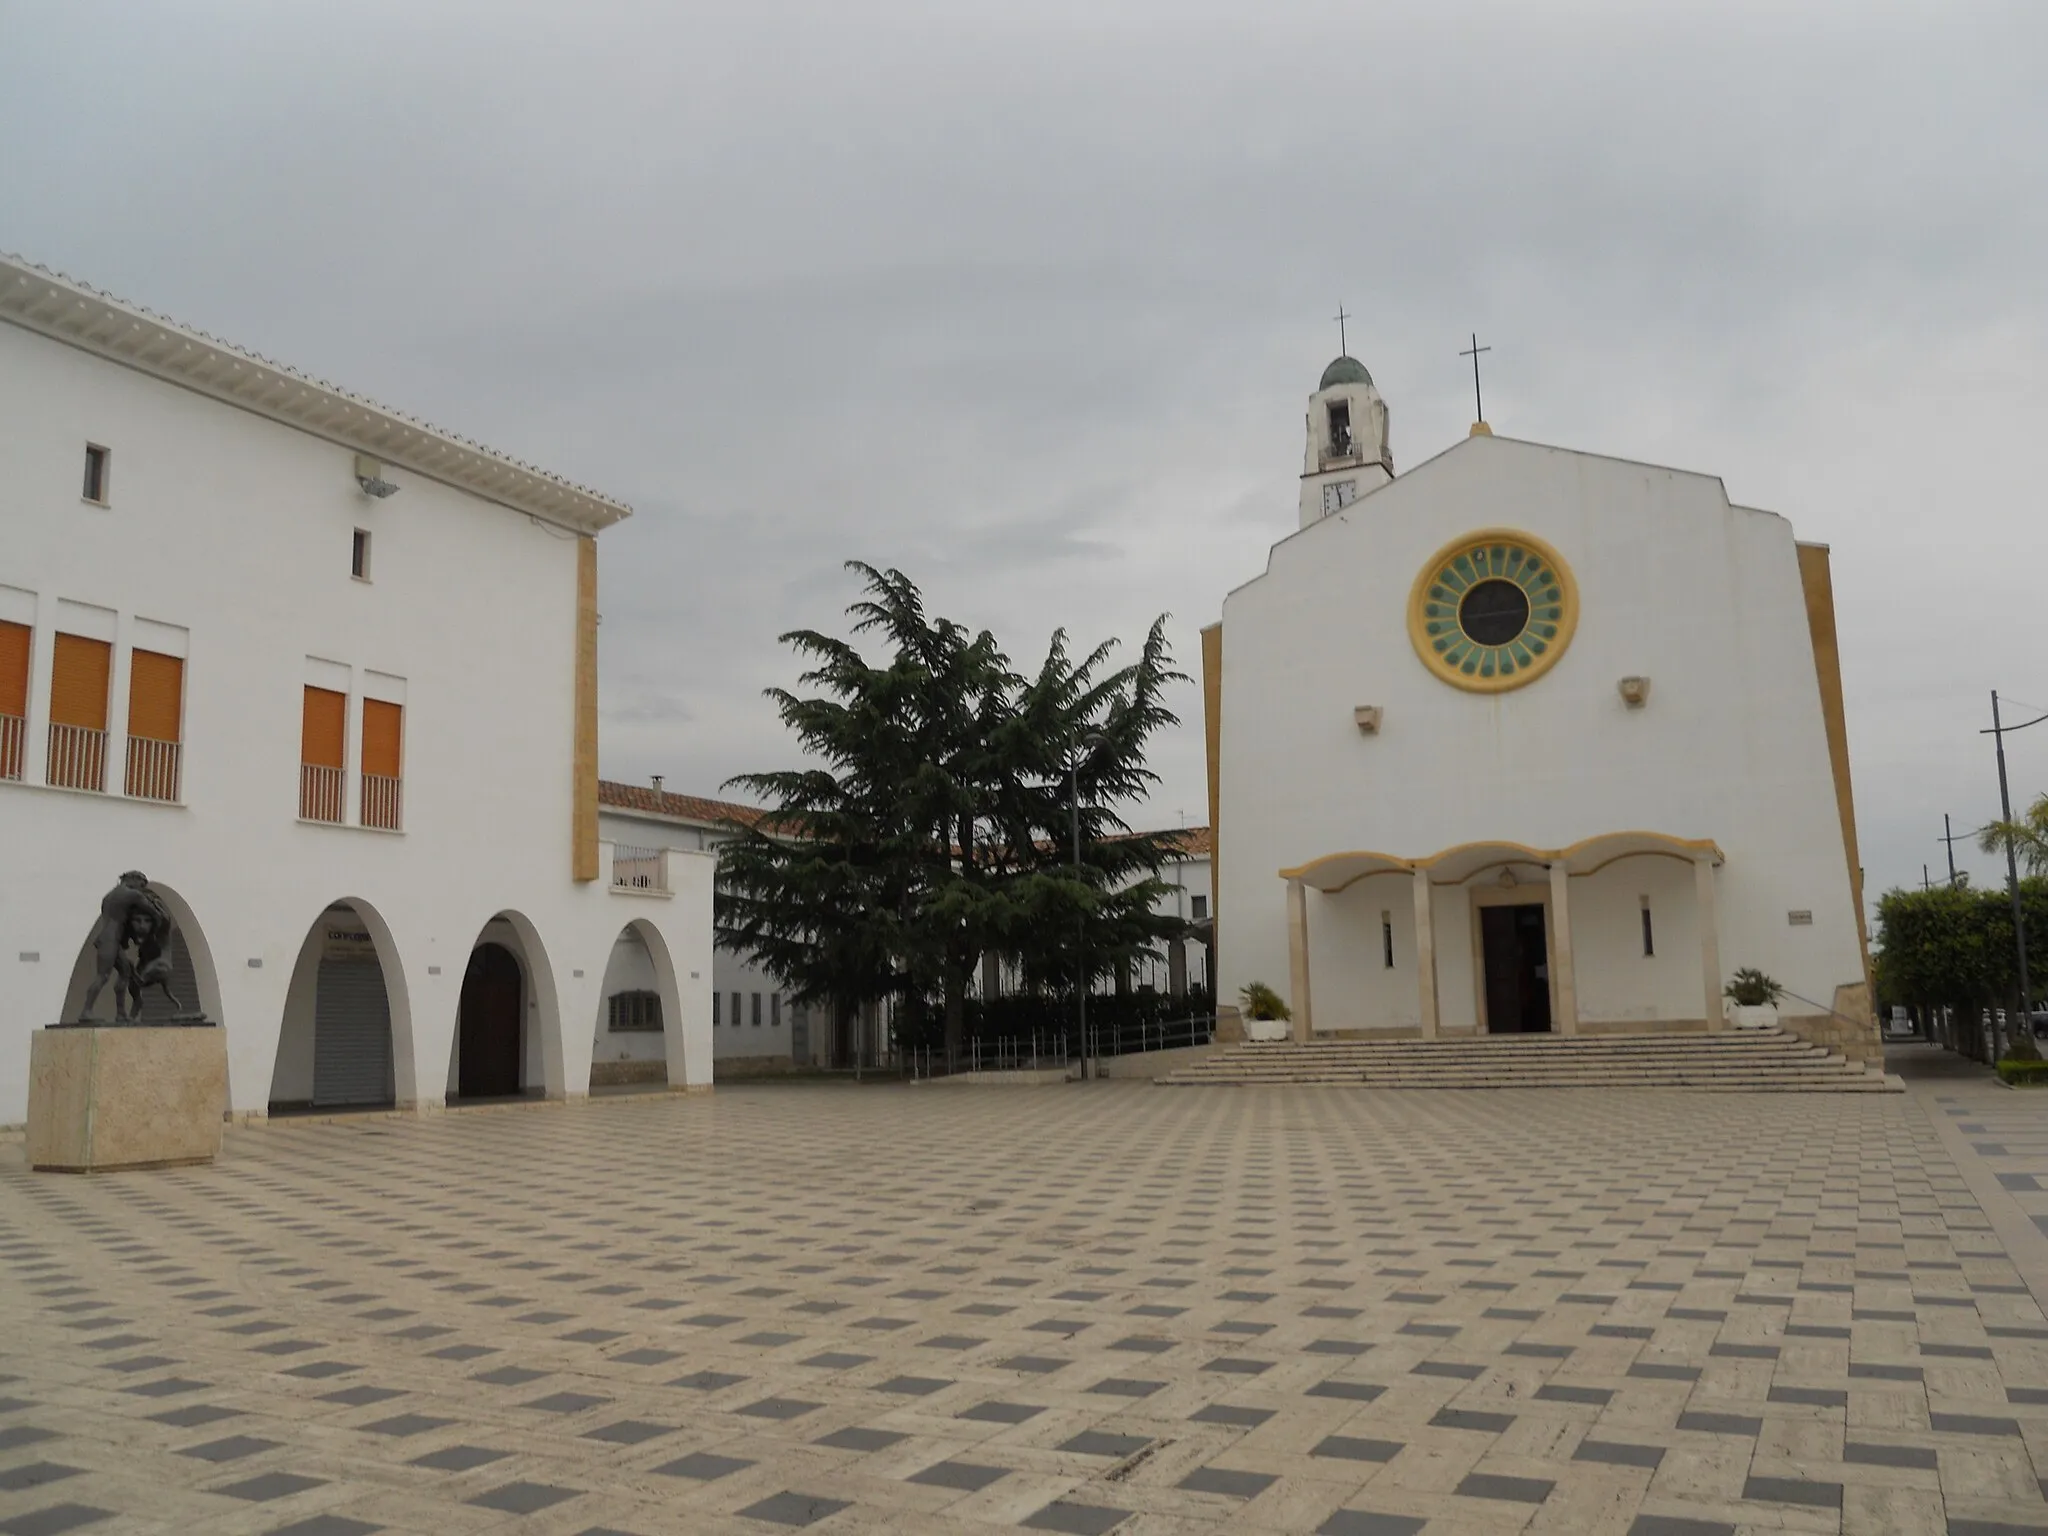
(13, 731)
(383, 799)
(320, 793)
(640, 869)
(78, 758)
(153, 768)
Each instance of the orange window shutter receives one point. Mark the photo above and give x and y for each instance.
(14, 640)
(156, 695)
(382, 727)
(78, 682)
(326, 726)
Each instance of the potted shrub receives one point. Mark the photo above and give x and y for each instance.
(1266, 1014)
(1753, 999)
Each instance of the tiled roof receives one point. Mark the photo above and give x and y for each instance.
(659, 802)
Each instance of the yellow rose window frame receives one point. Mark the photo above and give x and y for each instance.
(1493, 610)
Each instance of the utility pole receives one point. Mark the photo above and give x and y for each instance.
(2012, 873)
(1948, 836)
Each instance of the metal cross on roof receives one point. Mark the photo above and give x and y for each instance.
(1473, 351)
(1343, 345)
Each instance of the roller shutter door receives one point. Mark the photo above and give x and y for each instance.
(351, 1035)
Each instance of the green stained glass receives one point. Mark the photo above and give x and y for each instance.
(1538, 647)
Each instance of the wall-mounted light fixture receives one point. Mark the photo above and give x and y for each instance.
(370, 476)
(1635, 691)
(1367, 718)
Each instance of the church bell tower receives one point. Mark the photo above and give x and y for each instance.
(1347, 453)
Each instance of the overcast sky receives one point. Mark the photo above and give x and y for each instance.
(1025, 298)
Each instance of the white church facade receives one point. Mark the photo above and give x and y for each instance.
(1530, 740)
(327, 675)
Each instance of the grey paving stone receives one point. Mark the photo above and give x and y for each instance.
(1037, 1365)
(1674, 1525)
(630, 1432)
(1077, 1519)
(361, 1397)
(1223, 1480)
(1092, 1442)
(193, 1415)
(1619, 1454)
(1722, 1423)
(1516, 1490)
(708, 1381)
(1562, 1392)
(35, 1474)
(1465, 1418)
(1872, 1455)
(14, 1436)
(525, 1498)
(54, 1520)
(703, 1466)
(1348, 1391)
(858, 1439)
(327, 1525)
(1003, 1413)
(1793, 1490)
(1224, 1413)
(1972, 1424)
(835, 1360)
(1352, 1448)
(459, 1458)
(913, 1386)
(566, 1402)
(1125, 1386)
(1362, 1522)
(779, 1408)
(794, 1509)
(1452, 1368)
(509, 1376)
(233, 1448)
(406, 1424)
(966, 1476)
(269, 1485)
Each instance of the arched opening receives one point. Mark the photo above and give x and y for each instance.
(188, 986)
(507, 1027)
(638, 1014)
(335, 1044)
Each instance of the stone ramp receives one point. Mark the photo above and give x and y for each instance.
(1745, 1061)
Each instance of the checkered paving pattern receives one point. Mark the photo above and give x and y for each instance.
(1106, 1307)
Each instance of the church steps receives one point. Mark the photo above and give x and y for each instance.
(1764, 1061)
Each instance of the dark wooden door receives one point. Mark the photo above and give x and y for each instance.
(1516, 952)
(489, 1047)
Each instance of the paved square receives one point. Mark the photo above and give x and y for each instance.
(1109, 1307)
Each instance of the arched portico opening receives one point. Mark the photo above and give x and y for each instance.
(508, 1037)
(193, 985)
(345, 1039)
(638, 1038)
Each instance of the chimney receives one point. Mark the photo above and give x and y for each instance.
(657, 783)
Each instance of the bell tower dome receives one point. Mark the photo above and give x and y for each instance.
(1347, 452)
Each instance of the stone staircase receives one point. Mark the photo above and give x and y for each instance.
(1739, 1061)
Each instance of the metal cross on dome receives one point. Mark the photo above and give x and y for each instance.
(1478, 405)
(1343, 345)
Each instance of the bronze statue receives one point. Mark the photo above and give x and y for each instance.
(131, 913)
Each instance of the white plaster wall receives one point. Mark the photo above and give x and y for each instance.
(1350, 984)
(238, 529)
(1616, 981)
(1674, 583)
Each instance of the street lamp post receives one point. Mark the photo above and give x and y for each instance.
(1090, 742)
(1998, 733)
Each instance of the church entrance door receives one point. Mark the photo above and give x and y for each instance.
(1517, 959)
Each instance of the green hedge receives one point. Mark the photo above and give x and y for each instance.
(2023, 1074)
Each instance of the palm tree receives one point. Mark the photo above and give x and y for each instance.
(2027, 838)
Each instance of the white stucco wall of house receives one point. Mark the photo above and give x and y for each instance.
(234, 532)
(1674, 583)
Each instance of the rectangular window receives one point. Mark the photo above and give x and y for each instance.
(79, 672)
(714, 1010)
(98, 463)
(359, 556)
(757, 1010)
(14, 664)
(1649, 936)
(635, 1013)
(1340, 427)
(323, 735)
(383, 731)
(1200, 907)
(735, 1010)
(775, 1010)
(1387, 939)
(156, 709)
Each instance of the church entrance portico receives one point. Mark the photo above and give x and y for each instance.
(1514, 964)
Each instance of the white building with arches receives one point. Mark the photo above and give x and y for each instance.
(327, 675)
(1530, 740)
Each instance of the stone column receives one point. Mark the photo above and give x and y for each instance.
(1425, 954)
(1297, 957)
(1710, 940)
(1567, 1020)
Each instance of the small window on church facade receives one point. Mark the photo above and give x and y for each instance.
(1387, 939)
(1649, 934)
(1340, 426)
(1199, 905)
(635, 1013)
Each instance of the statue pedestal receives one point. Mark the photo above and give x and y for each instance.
(107, 1097)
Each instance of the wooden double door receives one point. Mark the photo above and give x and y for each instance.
(490, 1037)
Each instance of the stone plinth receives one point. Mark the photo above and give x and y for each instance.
(139, 1097)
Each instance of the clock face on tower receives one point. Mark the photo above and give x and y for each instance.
(1339, 493)
(1493, 610)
